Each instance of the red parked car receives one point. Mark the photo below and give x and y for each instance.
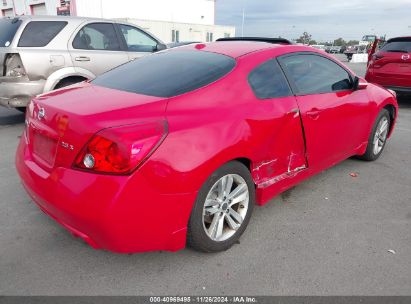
(178, 146)
(390, 67)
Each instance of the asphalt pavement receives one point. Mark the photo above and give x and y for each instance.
(330, 235)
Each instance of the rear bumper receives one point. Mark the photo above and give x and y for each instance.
(18, 91)
(122, 214)
(399, 85)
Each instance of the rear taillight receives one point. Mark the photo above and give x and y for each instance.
(121, 150)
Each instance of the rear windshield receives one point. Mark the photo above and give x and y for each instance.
(168, 74)
(397, 46)
(40, 33)
(8, 28)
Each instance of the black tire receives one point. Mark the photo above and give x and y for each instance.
(21, 109)
(196, 235)
(369, 154)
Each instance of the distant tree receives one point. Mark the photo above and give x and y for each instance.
(340, 42)
(313, 42)
(305, 38)
(353, 42)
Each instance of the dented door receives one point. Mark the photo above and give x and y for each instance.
(283, 141)
(279, 123)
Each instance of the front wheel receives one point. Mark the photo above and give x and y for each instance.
(378, 136)
(222, 209)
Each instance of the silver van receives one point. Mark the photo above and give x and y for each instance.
(39, 54)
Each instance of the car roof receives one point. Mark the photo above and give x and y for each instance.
(237, 49)
(58, 18)
(234, 49)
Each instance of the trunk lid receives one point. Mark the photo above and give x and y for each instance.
(60, 123)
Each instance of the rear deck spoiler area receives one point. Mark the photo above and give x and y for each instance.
(257, 39)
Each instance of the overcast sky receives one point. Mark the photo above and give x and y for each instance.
(324, 19)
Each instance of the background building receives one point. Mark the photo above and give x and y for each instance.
(170, 20)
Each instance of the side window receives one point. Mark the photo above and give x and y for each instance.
(268, 81)
(313, 74)
(40, 33)
(136, 40)
(97, 36)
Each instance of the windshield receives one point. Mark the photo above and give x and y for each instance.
(8, 28)
(168, 74)
(397, 46)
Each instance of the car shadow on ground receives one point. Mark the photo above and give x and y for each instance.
(12, 117)
(404, 102)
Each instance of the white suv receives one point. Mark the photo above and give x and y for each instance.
(40, 54)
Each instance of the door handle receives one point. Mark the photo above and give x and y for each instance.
(82, 58)
(314, 113)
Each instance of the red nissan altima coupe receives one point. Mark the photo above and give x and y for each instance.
(176, 148)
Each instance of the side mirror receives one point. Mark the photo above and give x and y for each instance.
(359, 83)
(160, 47)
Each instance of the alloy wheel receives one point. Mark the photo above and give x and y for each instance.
(380, 135)
(225, 207)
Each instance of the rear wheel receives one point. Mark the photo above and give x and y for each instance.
(378, 136)
(222, 209)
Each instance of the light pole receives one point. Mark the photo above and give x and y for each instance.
(101, 8)
(242, 24)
